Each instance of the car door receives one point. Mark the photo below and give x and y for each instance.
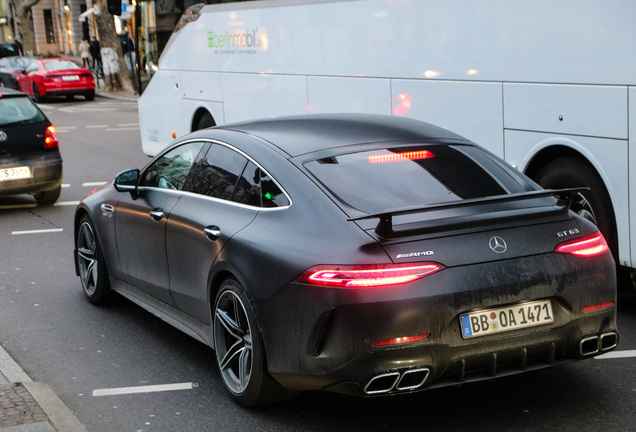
(140, 221)
(25, 81)
(202, 223)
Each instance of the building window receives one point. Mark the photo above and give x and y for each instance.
(48, 26)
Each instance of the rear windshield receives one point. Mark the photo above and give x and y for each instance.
(19, 110)
(61, 64)
(393, 178)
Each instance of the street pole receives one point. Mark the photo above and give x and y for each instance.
(137, 61)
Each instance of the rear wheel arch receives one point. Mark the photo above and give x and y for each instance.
(239, 347)
(560, 167)
(202, 119)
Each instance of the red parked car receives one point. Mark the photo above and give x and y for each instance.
(57, 77)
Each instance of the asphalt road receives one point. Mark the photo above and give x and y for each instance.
(90, 355)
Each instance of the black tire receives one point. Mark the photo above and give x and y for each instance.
(90, 261)
(49, 196)
(36, 93)
(239, 349)
(572, 172)
(205, 121)
(89, 96)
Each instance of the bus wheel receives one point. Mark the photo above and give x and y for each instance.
(594, 205)
(205, 121)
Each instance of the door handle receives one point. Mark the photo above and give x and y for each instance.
(157, 214)
(212, 232)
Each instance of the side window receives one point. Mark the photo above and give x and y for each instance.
(219, 172)
(32, 67)
(171, 170)
(257, 189)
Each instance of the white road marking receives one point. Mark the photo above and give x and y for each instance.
(144, 389)
(40, 231)
(66, 185)
(617, 354)
(66, 203)
(122, 129)
(93, 184)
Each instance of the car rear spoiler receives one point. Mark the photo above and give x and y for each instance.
(385, 225)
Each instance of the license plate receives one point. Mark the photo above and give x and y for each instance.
(15, 173)
(70, 78)
(499, 320)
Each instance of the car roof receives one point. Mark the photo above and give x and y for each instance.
(297, 135)
(8, 92)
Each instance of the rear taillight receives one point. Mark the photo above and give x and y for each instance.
(50, 138)
(368, 276)
(587, 246)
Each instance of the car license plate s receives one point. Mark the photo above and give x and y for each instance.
(500, 320)
(70, 78)
(15, 173)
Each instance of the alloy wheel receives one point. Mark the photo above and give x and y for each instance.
(233, 342)
(87, 258)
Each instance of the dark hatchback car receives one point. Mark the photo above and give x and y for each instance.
(30, 160)
(365, 255)
(11, 68)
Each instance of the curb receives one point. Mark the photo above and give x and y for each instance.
(131, 98)
(60, 417)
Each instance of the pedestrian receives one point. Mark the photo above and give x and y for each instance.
(95, 50)
(127, 49)
(85, 52)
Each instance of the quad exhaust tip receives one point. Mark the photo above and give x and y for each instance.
(410, 379)
(594, 344)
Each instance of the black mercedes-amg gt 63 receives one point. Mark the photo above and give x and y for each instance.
(359, 254)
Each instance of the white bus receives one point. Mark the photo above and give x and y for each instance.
(549, 85)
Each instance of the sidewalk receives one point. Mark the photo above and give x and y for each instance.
(28, 406)
(119, 95)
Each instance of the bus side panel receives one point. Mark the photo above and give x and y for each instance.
(608, 156)
(248, 97)
(329, 95)
(202, 86)
(191, 106)
(161, 107)
(632, 163)
(599, 111)
(569, 41)
(473, 110)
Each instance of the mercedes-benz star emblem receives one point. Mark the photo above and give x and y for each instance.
(497, 244)
(3, 136)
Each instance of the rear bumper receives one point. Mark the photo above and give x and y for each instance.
(70, 92)
(46, 175)
(329, 345)
(70, 88)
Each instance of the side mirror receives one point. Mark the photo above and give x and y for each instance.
(128, 181)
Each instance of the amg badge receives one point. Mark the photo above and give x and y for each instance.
(414, 254)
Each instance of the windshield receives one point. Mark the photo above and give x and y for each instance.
(393, 178)
(21, 110)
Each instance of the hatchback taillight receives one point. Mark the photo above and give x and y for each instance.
(50, 138)
(587, 246)
(365, 276)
